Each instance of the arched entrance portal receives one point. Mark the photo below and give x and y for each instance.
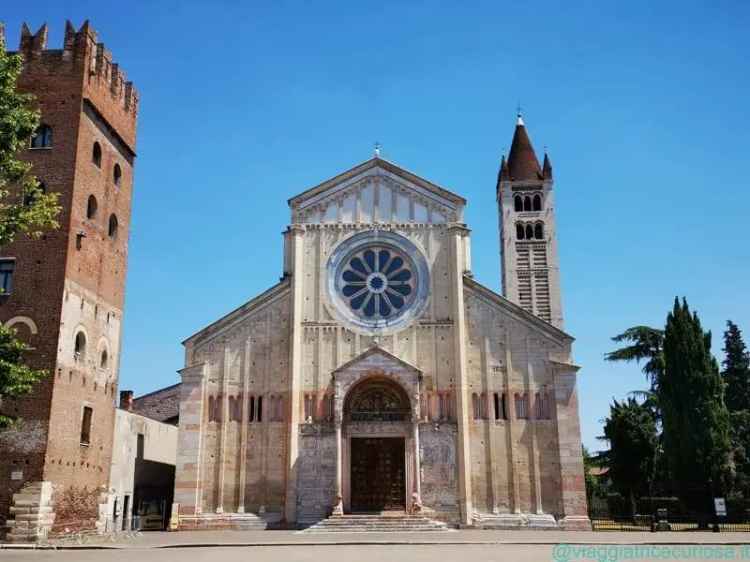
(376, 415)
(376, 418)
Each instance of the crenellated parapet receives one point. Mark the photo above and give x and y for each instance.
(86, 60)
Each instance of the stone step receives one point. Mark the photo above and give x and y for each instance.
(390, 523)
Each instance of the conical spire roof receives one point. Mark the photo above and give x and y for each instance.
(522, 161)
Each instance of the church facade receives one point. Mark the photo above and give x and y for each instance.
(379, 375)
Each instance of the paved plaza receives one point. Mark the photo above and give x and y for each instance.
(478, 546)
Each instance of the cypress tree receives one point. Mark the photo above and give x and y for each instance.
(694, 416)
(736, 376)
(736, 371)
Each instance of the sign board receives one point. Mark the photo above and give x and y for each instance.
(720, 505)
(16, 475)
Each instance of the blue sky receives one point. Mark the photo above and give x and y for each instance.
(643, 105)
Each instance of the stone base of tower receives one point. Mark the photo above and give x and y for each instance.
(31, 513)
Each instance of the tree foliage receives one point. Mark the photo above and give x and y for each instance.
(595, 488)
(16, 378)
(736, 370)
(631, 432)
(736, 375)
(24, 210)
(646, 346)
(694, 416)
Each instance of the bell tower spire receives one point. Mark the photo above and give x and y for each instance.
(528, 238)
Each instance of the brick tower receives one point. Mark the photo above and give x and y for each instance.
(528, 239)
(67, 288)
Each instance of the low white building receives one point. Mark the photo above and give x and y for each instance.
(142, 473)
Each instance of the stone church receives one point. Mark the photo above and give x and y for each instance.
(378, 375)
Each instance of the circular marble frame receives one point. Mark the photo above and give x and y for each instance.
(340, 258)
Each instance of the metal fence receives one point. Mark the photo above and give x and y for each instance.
(666, 514)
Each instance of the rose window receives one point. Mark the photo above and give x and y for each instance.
(377, 282)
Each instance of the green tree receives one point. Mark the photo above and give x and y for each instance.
(24, 210)
(736, 370)
(595, 489)
(736, 375)
(645, 345)
(630, 430)
(695, 419)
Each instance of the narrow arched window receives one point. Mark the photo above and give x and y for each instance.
(103, 359)
(80, 346)
(539, 231)
(211, 409)
(113, 226)
(519, 231)
(475, 406)
(96, 155)
(529, 232)
(91, 207)
(527, 203)
(251, 409)
(42, 137)
(117, 174)
(518, 201)
(537, 202)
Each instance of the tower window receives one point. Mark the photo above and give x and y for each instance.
(88, 413)
(80, 346)
(259, 411)
(518, 202)
(113, 226)
(537, 202)
(91, 207)
(7, 266)
(96, 155)
(42, 137)
(539, 231)
(117, 174)
(527, 203)
(529, 232)
(520, 231)
(104, 359)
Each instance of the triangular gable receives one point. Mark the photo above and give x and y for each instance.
(517, 312)
(377, 352)
(316, 202)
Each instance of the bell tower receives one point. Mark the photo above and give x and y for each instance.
(528, 238)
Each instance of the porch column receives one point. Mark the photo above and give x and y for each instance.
(417, 463)
(339, 468)
(338, 500)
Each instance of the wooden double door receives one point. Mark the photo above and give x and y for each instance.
(378, 479)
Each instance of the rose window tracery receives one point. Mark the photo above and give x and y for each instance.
(377, 282)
